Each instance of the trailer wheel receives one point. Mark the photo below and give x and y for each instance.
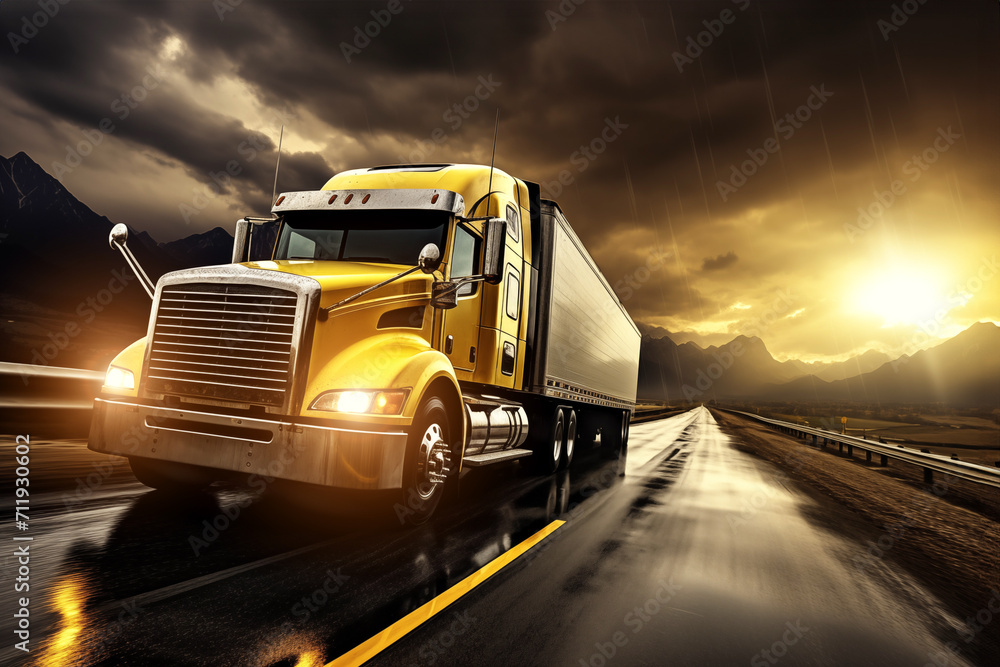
(168, 475)
(548, 445)
(569, 443)
(427, 465)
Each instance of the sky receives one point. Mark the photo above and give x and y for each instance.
(820, 174)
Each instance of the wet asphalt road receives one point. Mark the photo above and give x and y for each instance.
(699, 555)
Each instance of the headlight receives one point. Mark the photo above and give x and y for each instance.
(361, 402)
(119, 378)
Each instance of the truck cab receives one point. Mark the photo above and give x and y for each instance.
(393, 339)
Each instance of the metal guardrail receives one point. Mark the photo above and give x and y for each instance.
(39, 387)
(931, 463)
(641, 416)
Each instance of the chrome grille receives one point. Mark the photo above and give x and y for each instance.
(223, 341)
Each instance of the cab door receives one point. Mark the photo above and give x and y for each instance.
(460, 329)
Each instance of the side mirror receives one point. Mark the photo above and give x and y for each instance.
(430, 258)
(118, 236)
(444, 295)
(117, 239)
(496, 244)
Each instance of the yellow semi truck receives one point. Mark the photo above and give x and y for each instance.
(412, 322)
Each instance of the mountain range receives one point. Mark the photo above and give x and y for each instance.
(964, 370)
(60, 282)
(45, 231)
(56, 271)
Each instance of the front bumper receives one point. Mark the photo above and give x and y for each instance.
(334, 457)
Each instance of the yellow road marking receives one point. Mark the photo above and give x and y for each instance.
(362, 653)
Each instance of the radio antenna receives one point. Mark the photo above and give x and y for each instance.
(277, 164)
(489, 188)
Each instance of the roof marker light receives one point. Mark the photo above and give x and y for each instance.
(333, 198)
(434, 199)
(280, 199)
(347, 200)
(365, 200)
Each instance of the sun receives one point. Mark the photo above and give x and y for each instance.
(900, 296)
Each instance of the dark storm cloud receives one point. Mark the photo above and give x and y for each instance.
(704, 94)
(606, 59)
(719, 262)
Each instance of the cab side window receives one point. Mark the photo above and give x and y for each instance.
(465, 259)
(513, 223)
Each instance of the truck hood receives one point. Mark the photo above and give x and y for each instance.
(340, 280)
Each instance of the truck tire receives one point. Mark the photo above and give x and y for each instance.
(547, 444)
(427, 452)
(569, 442)
(168, 475)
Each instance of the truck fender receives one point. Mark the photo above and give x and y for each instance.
(429, 373)
(392, 361)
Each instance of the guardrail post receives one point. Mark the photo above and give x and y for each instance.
(884, 461)
(850, 451)
(928, 476)
(868, 456)
(840, 447)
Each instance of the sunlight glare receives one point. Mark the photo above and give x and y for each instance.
(900, 296)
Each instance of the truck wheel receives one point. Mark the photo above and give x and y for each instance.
(569, 444)
(168, 475)
(427, 465)
(548, 445)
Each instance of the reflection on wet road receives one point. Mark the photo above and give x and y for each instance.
(698, 555)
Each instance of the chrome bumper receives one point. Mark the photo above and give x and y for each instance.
(304, 453)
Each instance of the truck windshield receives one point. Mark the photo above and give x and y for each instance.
(388, 237)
